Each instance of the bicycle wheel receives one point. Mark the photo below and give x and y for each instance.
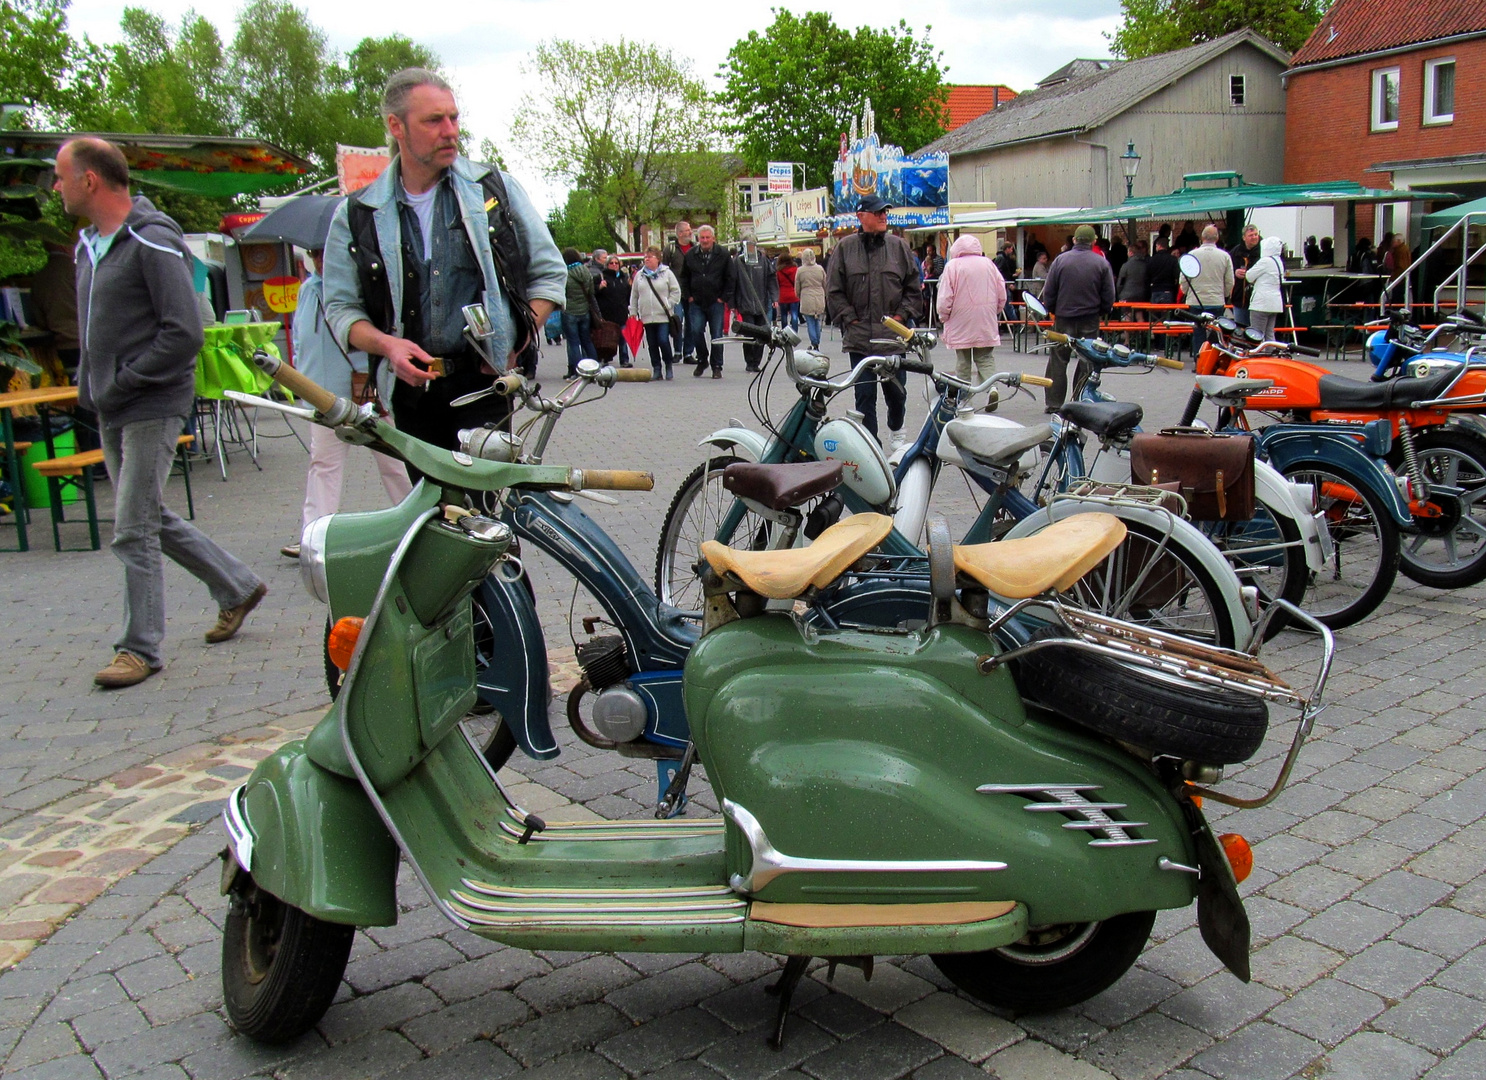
(1265, 551)
(1364, 563)
(1449, 550)
(1162, 585)
(695, 515)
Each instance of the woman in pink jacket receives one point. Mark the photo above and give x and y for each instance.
(972, 293)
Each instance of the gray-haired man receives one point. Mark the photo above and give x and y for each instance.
(434, 233)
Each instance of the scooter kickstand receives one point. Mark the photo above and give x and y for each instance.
(673, 799)
(785, 990)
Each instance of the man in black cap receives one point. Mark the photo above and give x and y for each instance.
(873, 274)
(1079, 291)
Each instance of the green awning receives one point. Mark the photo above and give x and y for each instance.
(216, 184)
(1198, 203)
(1451, 214)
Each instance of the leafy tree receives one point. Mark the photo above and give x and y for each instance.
(368, 65)
(172, 83)
(281, 63)
(43, 66)
(1157, 26)
(580, 223)
(792, 90)
(620, 122)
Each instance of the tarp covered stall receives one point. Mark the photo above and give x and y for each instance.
(208, 165)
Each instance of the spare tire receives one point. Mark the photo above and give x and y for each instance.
(1206, 724)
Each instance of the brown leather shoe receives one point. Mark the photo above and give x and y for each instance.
(126, 670)
(230, 619)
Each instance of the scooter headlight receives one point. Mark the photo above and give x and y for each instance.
(312, 559)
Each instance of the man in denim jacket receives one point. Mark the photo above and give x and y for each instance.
(433, 233)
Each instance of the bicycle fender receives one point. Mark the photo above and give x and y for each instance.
(516, 680)
(314, 840)
(1184, 533)
(1280, 496)
(1294, 448)
(739, 440)
(1473, 423)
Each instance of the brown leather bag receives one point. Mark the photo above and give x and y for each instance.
(1215, 471)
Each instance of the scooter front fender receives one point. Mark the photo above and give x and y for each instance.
(312, 839)
(1281, 495)
(515, 680)
(747, 444)
(1294, 447)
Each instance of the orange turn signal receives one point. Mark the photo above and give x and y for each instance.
(1240, 855)
(341, 643)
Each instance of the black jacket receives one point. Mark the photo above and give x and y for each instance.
(1161, 271)
(707, 276)
(614, 297)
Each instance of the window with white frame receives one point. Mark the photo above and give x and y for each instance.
(745, 198)
(1385, 99)
(1439, 90)
(1237, 91)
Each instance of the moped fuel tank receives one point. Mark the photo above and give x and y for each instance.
(865, 467)
(889, 756)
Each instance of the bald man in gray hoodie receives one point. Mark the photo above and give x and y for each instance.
(140, 330)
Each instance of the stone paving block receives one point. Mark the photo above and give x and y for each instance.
(667, 991)
(178, 1002)
(412, 961)
(960, 1026)
(561, 1033)
(500, 970)
(375, 1055)
(1314, 888)
(475, 1018)
(1146, 1047)
(743, 967)
(43, 1042)
(115, 1022)
(1349, 927)
(1443, 931)
(1328, 1011)
(1330, 829)
(1289, 963)
(686, 1070)
(162, 1044)
(840, 1015)
(584, 1065)
(77, 1067)
(1184, 959)
(750, 1005)
(584, 981)
(1435, 1019)
(1270, 918)
(1220, 1005)
(1136, 992)
(151, 976)
(477, 1059)
(1415, 833)
(1032, 1060)
(1389, 969)
(371, 1012)
(1371, 1055)
(949, 1068)
(1466, 975)
(1261, 1051)
(748, 1056)
(1471, 897)
(889, 989)
(1287, 851)
(1064, 1029)
(1381, 803)
(1467, 1063)
(85, 996)
(1403, 893)
(672, 1037)
(884, 1052)
(410, 926)
(240, 1056)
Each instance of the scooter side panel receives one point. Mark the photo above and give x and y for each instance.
(893, 735)
(360, 545)
(318, 844)
(516, 681)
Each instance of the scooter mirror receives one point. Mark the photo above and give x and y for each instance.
(477, 321)
(1034, 305)
(1190, 267)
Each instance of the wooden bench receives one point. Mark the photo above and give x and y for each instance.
(77, 470)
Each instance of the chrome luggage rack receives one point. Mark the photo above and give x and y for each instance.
(1177, 660)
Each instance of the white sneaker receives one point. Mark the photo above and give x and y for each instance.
(896, 441)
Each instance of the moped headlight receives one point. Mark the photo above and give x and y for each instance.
(312, 559)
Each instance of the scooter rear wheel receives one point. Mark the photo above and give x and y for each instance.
(1053, 967)
(281, 967)
(1449, 550)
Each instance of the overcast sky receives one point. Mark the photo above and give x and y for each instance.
(483, 46)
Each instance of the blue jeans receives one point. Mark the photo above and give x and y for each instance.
(580, 341)
(704, 319)
(658, 338)
(683, 347)
(138, 457)
(812, 327)
(790, 313)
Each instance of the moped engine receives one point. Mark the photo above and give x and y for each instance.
(617, 714)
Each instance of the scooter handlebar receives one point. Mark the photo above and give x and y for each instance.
(754, 331)
(631, 375)
(324, 402)
(508, 384)
(1168, 362)
(913, 363)
(1303, 350)
(612, 480)
(1055, 336)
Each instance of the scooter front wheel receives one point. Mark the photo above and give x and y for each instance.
(280, 966)
(1053, 967)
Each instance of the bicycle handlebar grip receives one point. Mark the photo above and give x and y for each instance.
(1168, 362)
(753, 330)
(297, 382)
(913, 363)
(612, 480)
(898, 328)
(507, 384)
(1303, 350)
(1061, 339)
(1034, 380)
(633, 374)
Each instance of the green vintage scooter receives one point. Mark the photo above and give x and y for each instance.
(883, 792)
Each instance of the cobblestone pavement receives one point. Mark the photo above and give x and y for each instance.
(1368, 898)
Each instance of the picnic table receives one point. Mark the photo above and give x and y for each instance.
(42, 399)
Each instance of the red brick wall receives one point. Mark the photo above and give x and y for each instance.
(1328, 132)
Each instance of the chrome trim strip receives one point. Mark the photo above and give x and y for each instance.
(575, 909)
(662, 893)
(1163, 863)
(769, 863)
(473, 918)
(239, 835)
(1068, 799)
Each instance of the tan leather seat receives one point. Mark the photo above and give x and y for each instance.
(783, 575)
(1053, 559)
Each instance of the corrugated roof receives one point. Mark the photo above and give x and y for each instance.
(1088, 101)
(1354, 27)
(967, 102)
(1192, 202)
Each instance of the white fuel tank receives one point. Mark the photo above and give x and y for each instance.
(864, 466)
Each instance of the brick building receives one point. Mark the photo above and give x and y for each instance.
(1391, 93)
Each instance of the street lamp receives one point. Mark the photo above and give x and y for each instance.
(1130, 162)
